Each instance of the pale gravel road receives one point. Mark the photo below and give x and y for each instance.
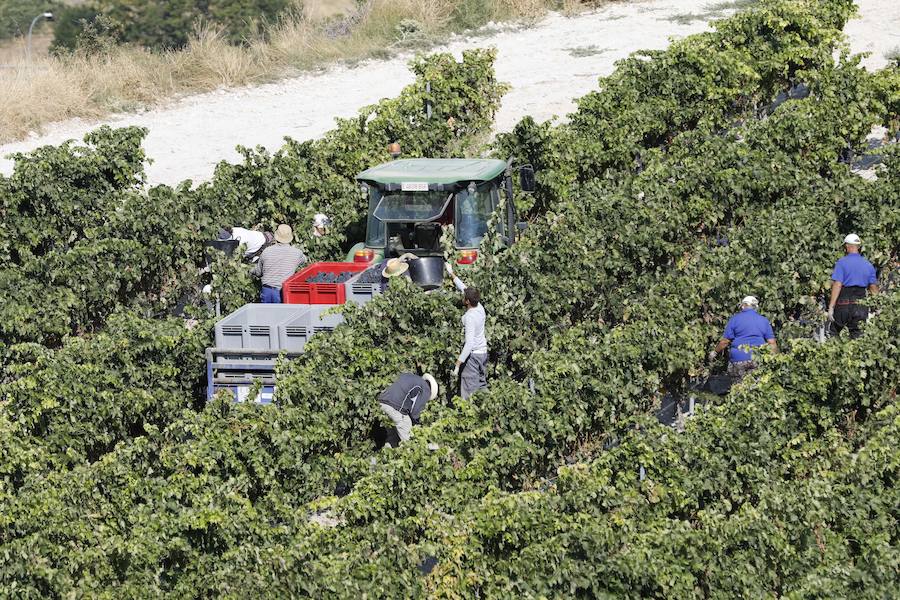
(548, 66)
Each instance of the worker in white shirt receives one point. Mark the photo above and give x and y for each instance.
(472, 359)
(321, 223)
(254, 242)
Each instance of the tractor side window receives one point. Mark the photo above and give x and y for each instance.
(472, 214)
(374, 227)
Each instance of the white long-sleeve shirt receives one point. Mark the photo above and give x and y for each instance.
(252, 239)
(473, 325)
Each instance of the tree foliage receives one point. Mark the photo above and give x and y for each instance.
(167, 25)
(16, 15)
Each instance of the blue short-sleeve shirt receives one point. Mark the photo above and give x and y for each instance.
(854, 270)
(747, 328)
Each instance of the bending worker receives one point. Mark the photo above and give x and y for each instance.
(746, 328)
(253, 241)
(404, 400)
(852, 276)
(276, 263)
(473, 357)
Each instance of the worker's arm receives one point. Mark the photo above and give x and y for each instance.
(773, 345)
(723, 343)
(873, 289)
(456, 280)
(835, 292)
(257, 271)
(470, 341)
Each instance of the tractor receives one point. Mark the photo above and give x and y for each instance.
(411, 205)
(411, 201)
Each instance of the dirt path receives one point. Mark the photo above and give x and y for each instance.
(547, 66)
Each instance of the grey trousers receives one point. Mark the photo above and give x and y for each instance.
(402, 422)
(474, 375)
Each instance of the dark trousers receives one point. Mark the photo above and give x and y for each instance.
(270, 295)
(851, 317)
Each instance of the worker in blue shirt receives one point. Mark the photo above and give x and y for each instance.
(853, 275)
(746, 330)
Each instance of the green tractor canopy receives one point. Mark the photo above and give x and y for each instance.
(411, 201)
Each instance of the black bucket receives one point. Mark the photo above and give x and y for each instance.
(427, 272)
(719, 385)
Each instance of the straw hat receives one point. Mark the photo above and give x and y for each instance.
(394, 268)
(284, 234)
(433, 384)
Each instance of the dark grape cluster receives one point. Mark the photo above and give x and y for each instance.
(372, 275)
(330, 277)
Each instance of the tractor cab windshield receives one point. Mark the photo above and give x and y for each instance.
(412, 207)
(405, 220)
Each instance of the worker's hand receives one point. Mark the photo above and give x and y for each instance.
(449, 268)
(409, 256)
(831, 313)
(207, 289)
(456, 370)
(711, 357)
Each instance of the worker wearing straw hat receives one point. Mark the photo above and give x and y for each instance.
(745, 330)
(852, 277)
(395, 267)
(276, 263)
(404, 400)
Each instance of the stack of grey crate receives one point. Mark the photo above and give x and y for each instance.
(250, 340)
(285, 327)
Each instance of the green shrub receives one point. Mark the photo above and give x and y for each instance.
(16, 15)
(165, 25)
(557, 481)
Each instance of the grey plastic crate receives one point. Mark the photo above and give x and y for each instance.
(360, 293)
(318, 322)
(255, 326)
(294, 333)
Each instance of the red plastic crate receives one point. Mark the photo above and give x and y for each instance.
(295, 290)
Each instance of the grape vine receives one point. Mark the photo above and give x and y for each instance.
(677, 187)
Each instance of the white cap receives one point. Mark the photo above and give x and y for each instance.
(433, 384)
(853, 239)
(320, 220)
(749, 301)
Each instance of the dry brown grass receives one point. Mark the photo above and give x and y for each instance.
(58, 88)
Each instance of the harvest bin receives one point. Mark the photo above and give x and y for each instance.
(295, 289)
(255, 326)
(295, 332)
(360, 293)
(317, 321)
(240, 370)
